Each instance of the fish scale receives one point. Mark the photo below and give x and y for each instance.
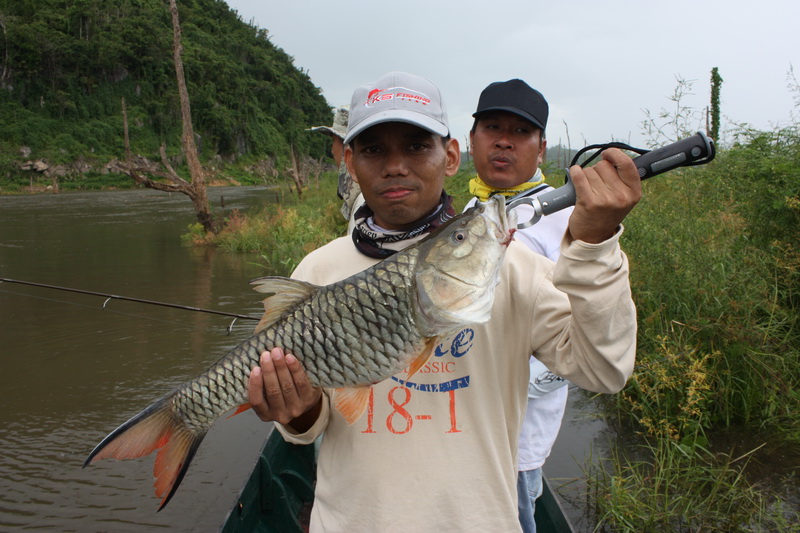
(347, 335)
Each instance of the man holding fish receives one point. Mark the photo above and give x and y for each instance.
(435, 449)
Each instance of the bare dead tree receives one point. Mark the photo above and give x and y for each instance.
(566, 161)
(5, 75)
(296, 173)
(196, 189)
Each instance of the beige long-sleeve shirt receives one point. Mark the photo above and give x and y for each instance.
(437, 452)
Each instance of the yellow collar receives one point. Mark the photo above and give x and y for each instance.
(477, 187)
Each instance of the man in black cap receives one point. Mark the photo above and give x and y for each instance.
(507, 145)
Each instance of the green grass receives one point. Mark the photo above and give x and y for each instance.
(282, 234)
(672, 487)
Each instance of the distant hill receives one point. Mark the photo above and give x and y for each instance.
(65, 66)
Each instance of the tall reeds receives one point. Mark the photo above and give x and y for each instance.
(715, 270)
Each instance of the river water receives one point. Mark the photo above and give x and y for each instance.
(73, 370)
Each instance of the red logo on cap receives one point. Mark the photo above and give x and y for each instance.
(402, 93)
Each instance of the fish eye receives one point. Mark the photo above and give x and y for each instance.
(459, 236)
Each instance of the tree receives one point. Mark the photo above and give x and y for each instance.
(4, 76)
(196, 190)
(716, 84)
(671, 126)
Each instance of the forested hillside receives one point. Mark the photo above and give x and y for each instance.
(65, 65)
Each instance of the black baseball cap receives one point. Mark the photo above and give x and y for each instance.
(514, 96)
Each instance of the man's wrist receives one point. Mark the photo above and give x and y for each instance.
(304, 422)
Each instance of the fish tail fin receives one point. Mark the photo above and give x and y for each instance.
(155, 428)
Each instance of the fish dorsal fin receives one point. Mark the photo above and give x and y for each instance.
(424, 355)
(351, 402)
(286, 292)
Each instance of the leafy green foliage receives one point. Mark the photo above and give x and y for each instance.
(715, 272)
(69, 63)
(715, 265)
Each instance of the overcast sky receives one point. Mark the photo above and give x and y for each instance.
(599, 64)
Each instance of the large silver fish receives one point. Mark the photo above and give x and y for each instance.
(348, 335)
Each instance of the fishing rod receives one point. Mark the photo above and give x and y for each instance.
(110, 297)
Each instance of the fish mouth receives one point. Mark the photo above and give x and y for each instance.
(510, 237)
(504, 223)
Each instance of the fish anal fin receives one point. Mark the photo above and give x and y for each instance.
(286, 292)
(424, 355)
(241, 409)
(351, 402)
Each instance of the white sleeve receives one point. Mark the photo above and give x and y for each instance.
(542, 380)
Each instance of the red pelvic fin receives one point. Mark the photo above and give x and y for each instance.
(424, 355)
(351, 402)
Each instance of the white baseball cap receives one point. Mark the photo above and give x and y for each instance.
(398, 97)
